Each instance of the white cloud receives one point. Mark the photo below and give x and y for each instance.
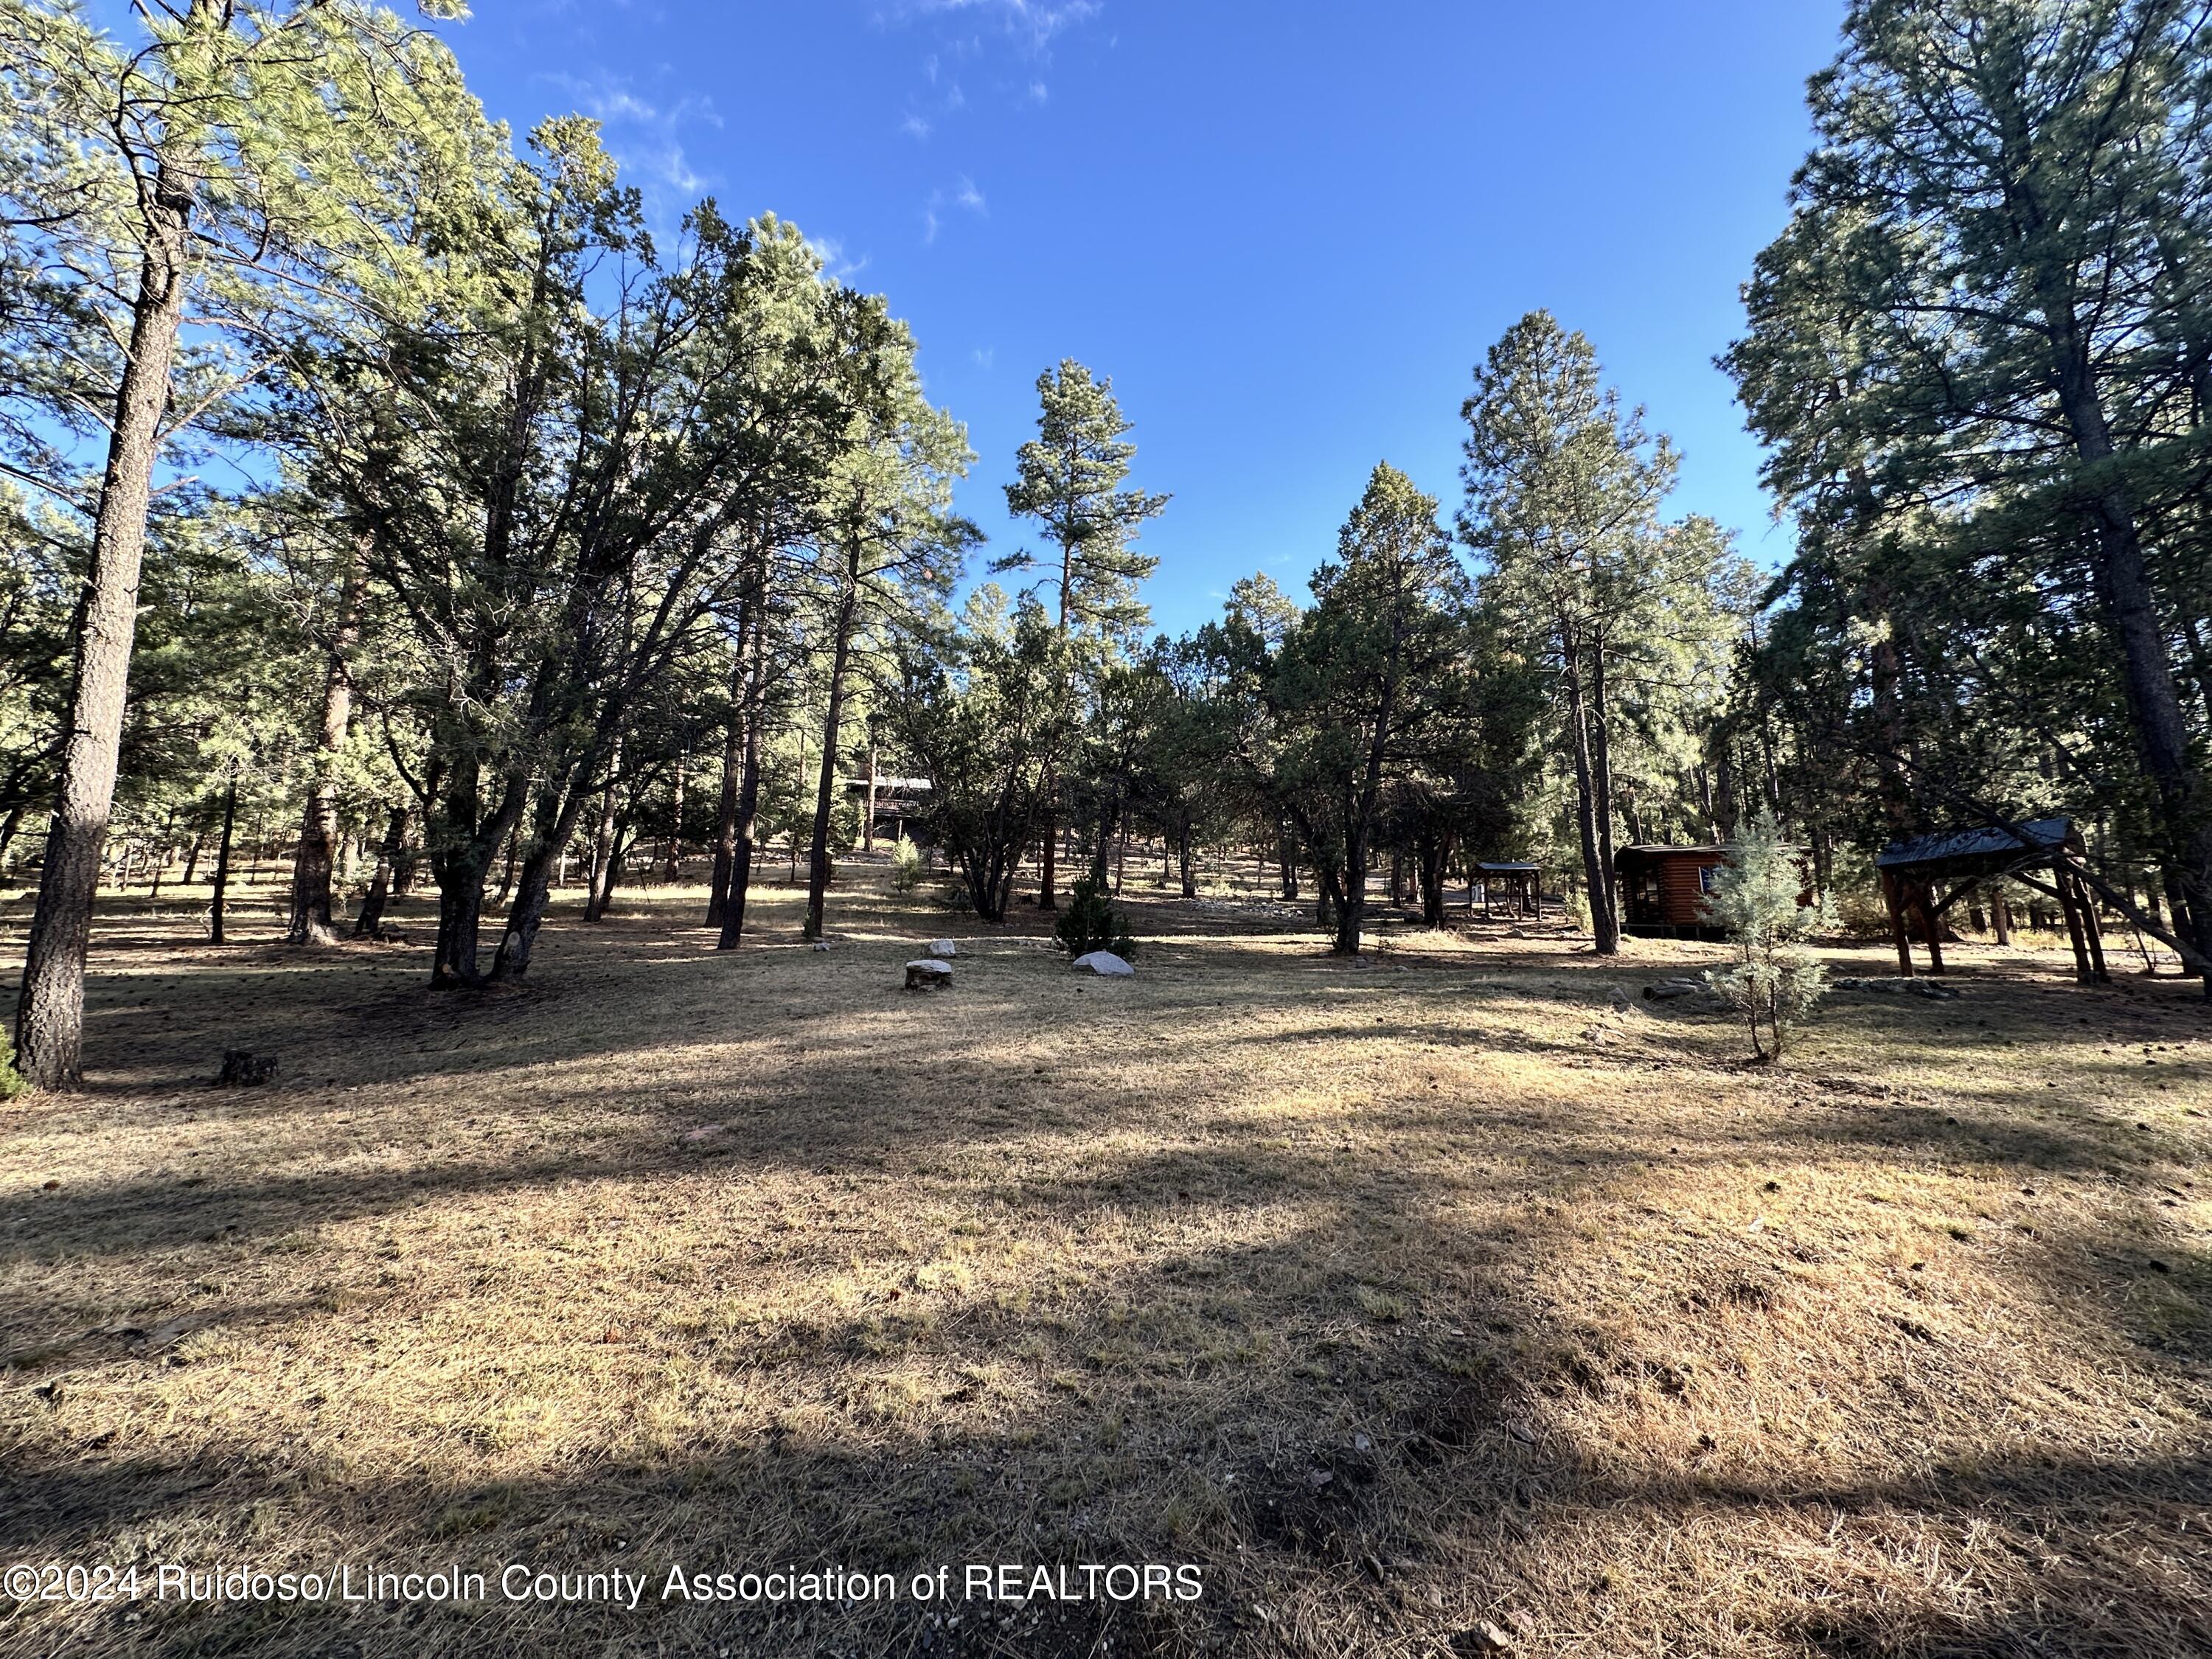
(832, 252)
(1032, 23)
(915, 127)
(965, 195)
(983, 357)
(644, 138)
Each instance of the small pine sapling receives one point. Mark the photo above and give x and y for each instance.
(906, 867)
(1091, 923)
(1759, 897)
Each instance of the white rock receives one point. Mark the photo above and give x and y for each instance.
(928, 972)
(942, 947)
(1105, 963)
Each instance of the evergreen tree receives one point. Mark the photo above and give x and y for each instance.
(239, 162)
(1982, 352)
(1563, 494)
(1070, 477)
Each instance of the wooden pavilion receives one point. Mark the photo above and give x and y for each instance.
(1520, 886)
(1959, 860)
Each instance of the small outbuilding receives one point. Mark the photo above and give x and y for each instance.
(1518, 887)
(1662, 889)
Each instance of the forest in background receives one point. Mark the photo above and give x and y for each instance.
(563, 547)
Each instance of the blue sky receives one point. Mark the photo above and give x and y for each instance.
(1288, 231)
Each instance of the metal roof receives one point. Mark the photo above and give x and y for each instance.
(1509, 869)
(2045, 836)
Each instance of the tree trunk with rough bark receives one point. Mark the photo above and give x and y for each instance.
(1604, 926)
(841, 656)
(742, 844)
(50, 1007)
(369, 924)
(310, 922)
(221, 883)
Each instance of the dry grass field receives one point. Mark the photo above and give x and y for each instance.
(1427, 1304)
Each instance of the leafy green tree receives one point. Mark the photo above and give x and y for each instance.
(1072, 478)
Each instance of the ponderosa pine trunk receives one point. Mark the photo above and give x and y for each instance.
(1431, 855)
(840, 654)
(671, 867)
(310, 920)
(222, 883)
(50, 1008)
(462, 851)
(743, 840)
(600, 884)
(726, 812)
(369, 924)
(1049, 846)
(558, 807)
(1604, 929)
(1352, 906)
(2124, 586)
(1183, 858)
(1601, 782)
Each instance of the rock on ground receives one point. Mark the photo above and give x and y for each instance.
(1105, 963)
(942, 947)
(928, 973)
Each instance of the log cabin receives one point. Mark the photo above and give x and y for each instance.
(1662, 890)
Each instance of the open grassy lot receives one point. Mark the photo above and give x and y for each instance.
(1404, 1298)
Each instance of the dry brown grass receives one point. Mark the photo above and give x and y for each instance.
(1403, 1298)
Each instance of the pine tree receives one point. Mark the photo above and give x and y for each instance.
(1563, 494)
(1070, 477)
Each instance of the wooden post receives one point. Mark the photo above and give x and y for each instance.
(2062, 880)
(2088, 905)
(1895, 899)
(1934, 921)
(2001, 914)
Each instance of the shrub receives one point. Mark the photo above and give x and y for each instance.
(1578, 911)
(11, 1080)
(1757, 897)
(1091, 923)
(906, 867)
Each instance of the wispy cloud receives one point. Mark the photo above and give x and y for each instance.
(964, 195)
(643, 136)
(831, 252)
(1033, 23)
(1004, 45)
(984, 356)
